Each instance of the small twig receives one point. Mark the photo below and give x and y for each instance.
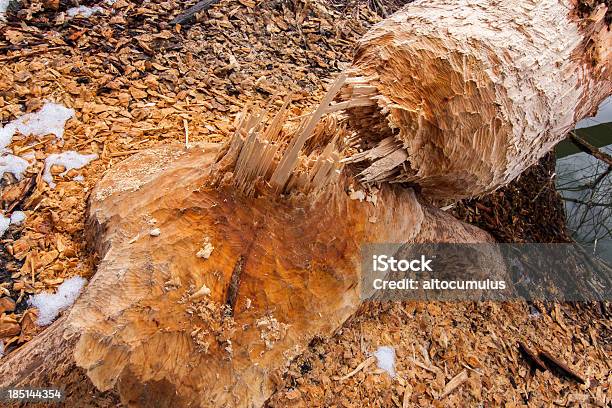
(193, 10)
(589, 204)
(29, 54)
(563, 368)
(531, 356)
(365, 363)
(431, 368)
(590, 149)
(124, 153)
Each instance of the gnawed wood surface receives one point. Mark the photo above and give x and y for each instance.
(140, 329)
(460, 97)
(161, 325)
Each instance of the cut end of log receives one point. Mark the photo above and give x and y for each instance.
(435, 102)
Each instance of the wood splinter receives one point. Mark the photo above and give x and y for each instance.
(455, 382)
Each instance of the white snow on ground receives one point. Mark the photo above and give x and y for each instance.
(13, 164)
(70, 160)
(4, 224)
(385, 359)
(49, 305)
(83, 11)
(17, 217)
(1, 348)
(3, 6)
(50, 119)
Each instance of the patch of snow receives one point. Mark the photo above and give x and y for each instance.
(17, 217)
(70, 160)
(50, 119)
(4, 224)
(49, 305)
(155, 232)
(13, 164)
(385, 359)
(110, 2)
(3, 6)
(84, 11)
(1, 349)
(79, 178)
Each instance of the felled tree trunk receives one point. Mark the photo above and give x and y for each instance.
(164, 323)
(219, 264)
(460, 97)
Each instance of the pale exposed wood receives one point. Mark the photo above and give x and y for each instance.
(452, 95)
(474, 92)
(288, 162)
(139, 331)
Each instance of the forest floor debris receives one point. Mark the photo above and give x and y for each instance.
(131, 80)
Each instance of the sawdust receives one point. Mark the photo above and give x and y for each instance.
(135, 82)
(271, 330)
(212, 324)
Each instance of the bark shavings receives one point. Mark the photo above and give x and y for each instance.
(478, 338)
(527, 210)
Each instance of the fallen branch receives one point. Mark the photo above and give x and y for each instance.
(193, 10)
(588, 148)
(563, 368)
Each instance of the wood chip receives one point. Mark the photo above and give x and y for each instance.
(455, 382)
(364, 364)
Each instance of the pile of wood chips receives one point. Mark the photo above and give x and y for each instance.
(137, 81)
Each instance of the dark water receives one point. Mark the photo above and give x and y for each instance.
(586, 186)
(596, 130)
